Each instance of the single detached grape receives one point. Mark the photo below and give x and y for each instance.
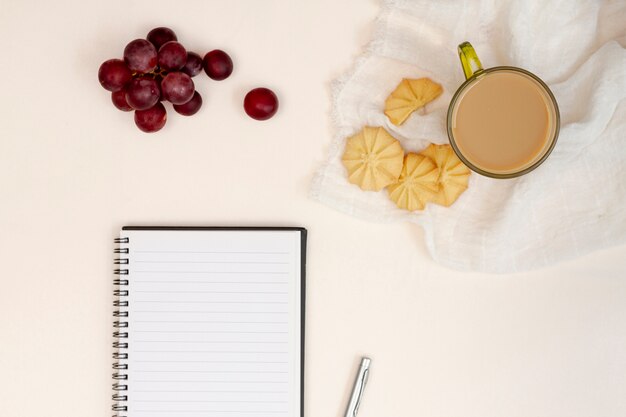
(191, 107)
(260, 103)
(142, 93)
(178, 88)
(152, 119)
(140, 56)
(159, 36)
(172, 56)
(119, 100)
(217, 65)
(114, 74)
(193, 66)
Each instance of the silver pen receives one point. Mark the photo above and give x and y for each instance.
(359, 386)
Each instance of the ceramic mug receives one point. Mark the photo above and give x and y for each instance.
(503, 122)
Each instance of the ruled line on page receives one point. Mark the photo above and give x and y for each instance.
(196, 381)
(220, 361)
(209, 292)
(212, 262)
(143, 271)
(211, 321)
(210, 411)
(217, 252)
(212, 401)
(211, 341)
(143, 281)
(215, 391)
(207, 331)
(195, 371)
(209, 302)
(209, 351)
(210, 312)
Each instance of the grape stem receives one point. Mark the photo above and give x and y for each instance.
(154, 73)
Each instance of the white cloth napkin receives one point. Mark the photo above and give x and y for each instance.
(575, 202)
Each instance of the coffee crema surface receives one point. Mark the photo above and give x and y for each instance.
(503, 121)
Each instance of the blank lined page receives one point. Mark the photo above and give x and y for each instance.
(214, 323)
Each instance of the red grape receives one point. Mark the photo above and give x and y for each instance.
(159, 79)
(172, 56)
(114, 74)
(140, 56)
(159, 36)
(261, 103)
(177, 87)
(119, 100)
(142, 93)
(191, 107)
(218, 65)
(193, 66)
(152, 119)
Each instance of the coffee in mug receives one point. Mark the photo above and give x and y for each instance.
(503, 121)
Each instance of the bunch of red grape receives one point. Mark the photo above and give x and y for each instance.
(159, 68)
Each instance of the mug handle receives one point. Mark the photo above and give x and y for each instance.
(469, 60)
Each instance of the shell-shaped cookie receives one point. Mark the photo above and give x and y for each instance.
(409, 96)
(453, 174)
(417, 184)
(373, 158)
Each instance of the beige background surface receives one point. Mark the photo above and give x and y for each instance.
(73, 170)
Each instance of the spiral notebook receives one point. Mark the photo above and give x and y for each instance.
(209, 322)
